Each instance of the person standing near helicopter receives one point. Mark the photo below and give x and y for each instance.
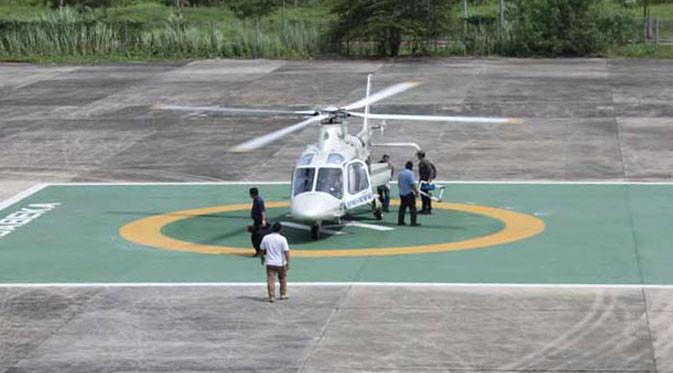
(406, 182)
(426, 172)
(384, 190)
(258, 216)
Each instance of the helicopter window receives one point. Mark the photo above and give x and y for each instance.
(335, 158)
(330, 180)
(305, 159)
(357, 178)
(303, 180)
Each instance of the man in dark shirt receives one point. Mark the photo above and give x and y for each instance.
(426, 172)
(406, 183)
(258, 216)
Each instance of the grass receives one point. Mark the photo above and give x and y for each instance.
(72, 34)
(88, 60)
(21, 13)
(491, 8)
(663, 11)
(643, 51)
(208, 15)
(149, 30)
(151, 15)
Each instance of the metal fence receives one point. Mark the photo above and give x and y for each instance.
(657, 31)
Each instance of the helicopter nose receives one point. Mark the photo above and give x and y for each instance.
(314, 206)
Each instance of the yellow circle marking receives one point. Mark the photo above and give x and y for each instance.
(517, 226)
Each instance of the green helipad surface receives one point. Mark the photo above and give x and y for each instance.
(593, 234)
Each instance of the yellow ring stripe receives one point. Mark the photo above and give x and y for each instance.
(517, 226)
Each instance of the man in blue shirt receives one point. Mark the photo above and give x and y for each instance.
(258, 216)
(406, 182)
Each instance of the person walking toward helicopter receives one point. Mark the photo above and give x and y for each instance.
(276, 254)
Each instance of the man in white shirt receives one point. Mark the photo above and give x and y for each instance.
(276, 252)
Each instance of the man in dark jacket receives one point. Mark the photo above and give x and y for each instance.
(426, 172)
(258, 216)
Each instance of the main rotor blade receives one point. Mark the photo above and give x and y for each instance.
(273, 136)
(380, 95)
(439, 118)
(220, 109)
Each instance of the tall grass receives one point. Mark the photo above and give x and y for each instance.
(58, 33)
(71, 33)
(291, 41)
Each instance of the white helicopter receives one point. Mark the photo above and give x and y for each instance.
(335, 175)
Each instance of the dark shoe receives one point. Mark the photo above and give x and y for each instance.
(401, 224)
(424, 212)
(416, 225)
(386, 210)
(255, 255)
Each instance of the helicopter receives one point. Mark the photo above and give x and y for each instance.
(335, 175)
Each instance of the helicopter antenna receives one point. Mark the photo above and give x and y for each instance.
(369, 86)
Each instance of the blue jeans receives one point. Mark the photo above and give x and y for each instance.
(384, 196)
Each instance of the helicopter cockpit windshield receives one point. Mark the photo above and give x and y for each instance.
(303, 180)
(330, 180)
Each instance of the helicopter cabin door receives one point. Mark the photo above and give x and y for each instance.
(358, 185)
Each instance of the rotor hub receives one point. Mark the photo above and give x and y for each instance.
(335, 115)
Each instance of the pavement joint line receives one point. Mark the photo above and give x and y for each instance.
(302, 366)
(646, 311)
(22, 195)
(329, 284)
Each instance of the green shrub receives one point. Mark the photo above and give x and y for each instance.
(563, 28)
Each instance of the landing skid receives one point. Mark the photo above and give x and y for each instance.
(318, 230)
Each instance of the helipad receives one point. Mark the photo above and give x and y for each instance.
(591, 233)
(512, 226)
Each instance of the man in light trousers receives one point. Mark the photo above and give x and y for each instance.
(276, 253)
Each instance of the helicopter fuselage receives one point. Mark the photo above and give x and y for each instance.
(334, 176)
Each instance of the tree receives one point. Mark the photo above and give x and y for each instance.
(388, 21)
(564, 28)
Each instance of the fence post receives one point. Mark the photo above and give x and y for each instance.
(464, 18)
(656, 32)
(502, 15)
(649, 24)
(257, 37)
(126, 38)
